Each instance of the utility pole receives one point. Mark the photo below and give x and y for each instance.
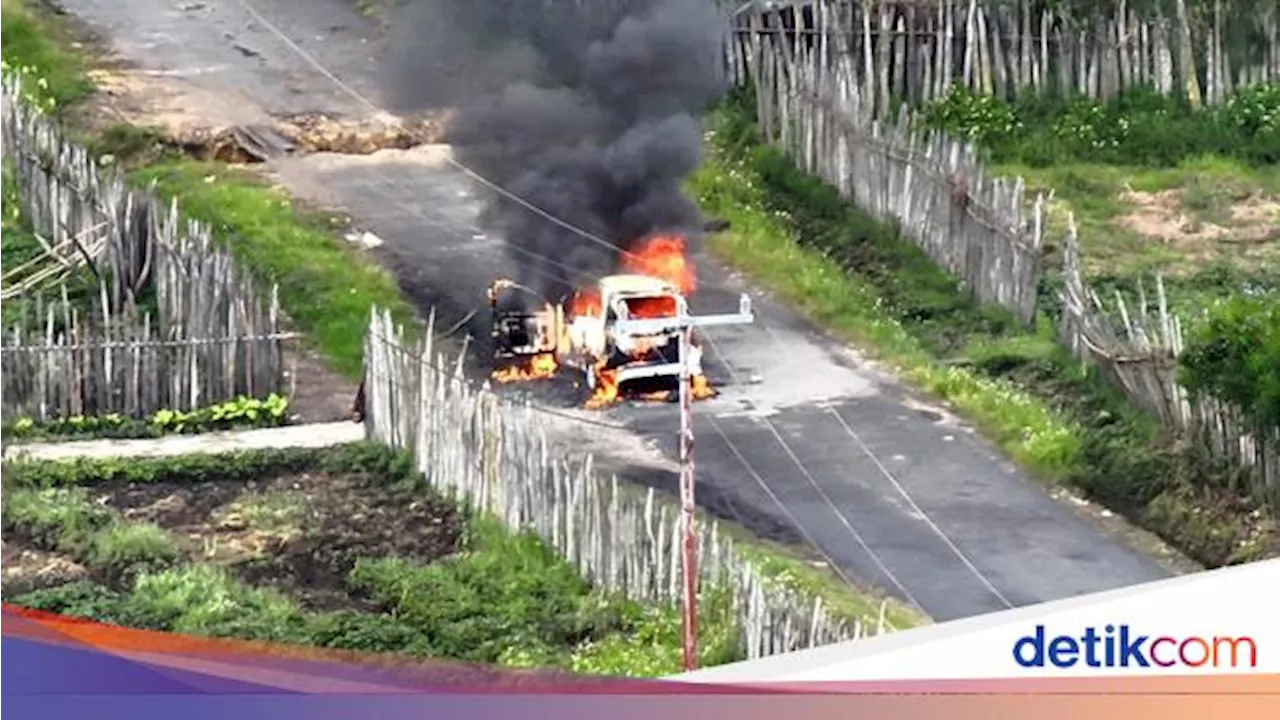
(684, 323)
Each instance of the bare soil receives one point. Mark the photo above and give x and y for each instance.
(1164, 217)
(27, 569)
(301, 534)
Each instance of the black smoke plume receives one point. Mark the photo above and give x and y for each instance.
(589, 110)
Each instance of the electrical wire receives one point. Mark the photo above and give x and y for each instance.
(589, 236)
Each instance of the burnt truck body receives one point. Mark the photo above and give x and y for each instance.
(590, 341)
(518, 330)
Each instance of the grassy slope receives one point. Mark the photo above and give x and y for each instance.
(51, 79)
(326, 285)
(797, 237)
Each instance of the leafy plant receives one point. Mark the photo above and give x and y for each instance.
(128, 549)
(1140, 126)
(1234, 355)
(242, 412)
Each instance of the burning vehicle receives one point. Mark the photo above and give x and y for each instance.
(611, 332)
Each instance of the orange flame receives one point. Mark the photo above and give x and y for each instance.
(538, 367)
(652, 307)
(586, 302)
(701, 388)
(662, 256)
(606, 390)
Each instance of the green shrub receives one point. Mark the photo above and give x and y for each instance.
(653, 647)
(475, 605)
(366, 632)
(125, 550)
(1234, 355)
(205, 600)
(242, 412)
(87, 600)
(195, 468)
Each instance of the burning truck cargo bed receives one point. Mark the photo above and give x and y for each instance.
(623, 334)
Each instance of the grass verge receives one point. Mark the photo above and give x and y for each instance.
(326, 286)
(796, 236)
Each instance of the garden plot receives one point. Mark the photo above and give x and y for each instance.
(299, 533)
(339, 548)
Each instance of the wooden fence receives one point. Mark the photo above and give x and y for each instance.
(495, 455)
(812, 103)
(915, 50)
(809, 101)
(171, 322)
(1137, 349)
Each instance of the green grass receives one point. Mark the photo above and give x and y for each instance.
(70, 522)
(58, 519)
(326, 287)
(36, 47)
(504, 599)
(501, 598)
(858, 279)
(125, 549)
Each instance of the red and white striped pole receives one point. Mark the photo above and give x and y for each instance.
(684, 324)
(687, 501)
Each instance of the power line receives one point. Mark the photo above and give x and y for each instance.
(449, 159)
(902, 491)
(853, 531)
(397, 121)
(587, 235)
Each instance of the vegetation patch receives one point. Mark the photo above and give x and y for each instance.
(243, 412)
(1153, 185)
(856, 277)
(326, 286)
(1140, 126)
(35, 49)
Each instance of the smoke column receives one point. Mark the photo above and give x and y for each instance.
(588, 110)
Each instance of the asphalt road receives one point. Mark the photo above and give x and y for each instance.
(806, 442)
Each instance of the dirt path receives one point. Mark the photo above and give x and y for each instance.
(294, 436)
(806, 436)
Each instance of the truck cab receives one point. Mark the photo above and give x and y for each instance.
(632, 356)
